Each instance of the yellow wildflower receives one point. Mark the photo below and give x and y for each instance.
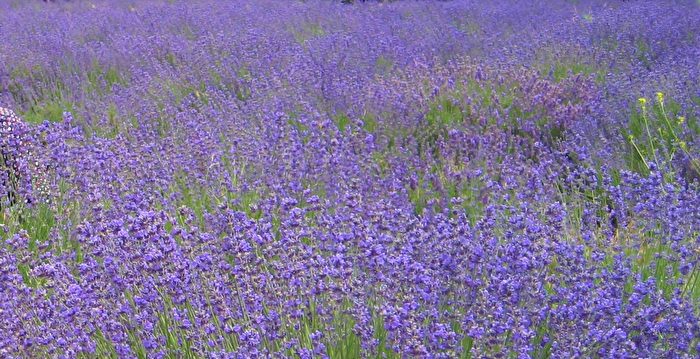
(660, 97)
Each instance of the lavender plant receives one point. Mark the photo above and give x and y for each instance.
(262, 179)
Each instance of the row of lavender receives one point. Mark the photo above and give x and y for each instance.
(309, 179)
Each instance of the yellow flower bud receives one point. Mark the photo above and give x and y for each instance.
(660, 97)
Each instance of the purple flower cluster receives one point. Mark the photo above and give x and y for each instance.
(263, 179)
(11, 149)
(22, 178)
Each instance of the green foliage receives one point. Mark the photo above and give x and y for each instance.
(654, 135)
(307, 31)
(182, 90)
(421, 195)
(443, 115)
(171, 59)
(562, 70)
(342, 121)
(691, 288)
(369, 123)
(113, 125)
(51, 111)
(101, 80)
(238, 85)
(380, 334)
(301, 128)
(379, 158)
(187, 31)
(20, 76)
(643, 52)
(384, 64)
(193, 196)
(652, 262)
(470, 27)
(44, 96)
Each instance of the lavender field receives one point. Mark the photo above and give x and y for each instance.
(313, 179)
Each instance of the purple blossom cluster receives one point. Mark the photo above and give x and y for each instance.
(22, 178)
(263, 179)
(11, 149)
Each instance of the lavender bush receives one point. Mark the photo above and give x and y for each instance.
(264, 179)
